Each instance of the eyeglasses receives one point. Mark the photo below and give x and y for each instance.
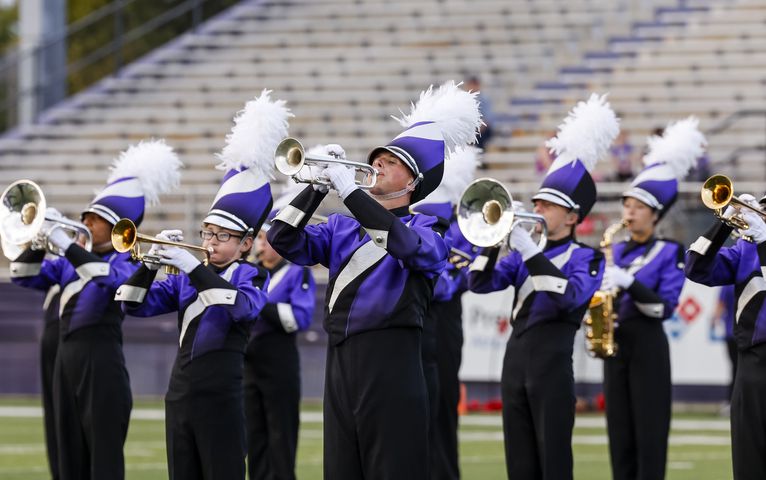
(221, 236)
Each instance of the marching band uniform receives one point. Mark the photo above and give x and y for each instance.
(743, 264)
(272, 378)
(383, 265)
(649, 273)
(92, 398)
(443, 325)
(49, 344)
(553, 289)
(204, 412)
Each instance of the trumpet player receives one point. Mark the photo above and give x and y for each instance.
(553, 288)
(216, 303)
(741, 265)
(443, 325)
(648, 274)
(383, 264)
(92, 398)
(272, 378)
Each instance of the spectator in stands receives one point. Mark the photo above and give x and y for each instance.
(544, 156)
(473, 84)
(623, 155)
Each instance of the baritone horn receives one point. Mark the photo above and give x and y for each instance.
(125, 237)
(718, 193)
(290, 158)
(486, 216)
(25, 224)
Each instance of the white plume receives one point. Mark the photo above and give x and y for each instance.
(587, 133)
(257, 131)
(459, 170)
(455, 111)
(679, 147)
(154, 163)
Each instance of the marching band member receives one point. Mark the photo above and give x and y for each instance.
(272, 363)
(742, 265)
(383, 264)
(553, 289)
(649, 275)
(204, 412)
(49, 344)
(92, 399)
(443, 325)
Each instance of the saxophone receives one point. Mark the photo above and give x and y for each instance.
(599, 321)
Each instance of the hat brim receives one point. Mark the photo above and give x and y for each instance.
(398, 153)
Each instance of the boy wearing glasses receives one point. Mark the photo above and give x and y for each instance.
(216, 303)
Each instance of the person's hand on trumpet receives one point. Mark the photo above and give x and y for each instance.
(343, 179)
(331, 150)
(165, 235)
(521, 241)
(757, 227)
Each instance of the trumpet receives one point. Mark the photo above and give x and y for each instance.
(24, 223)
(459, 258)
(718, 193)
(125, 237)
(486, 216)
(290, 158)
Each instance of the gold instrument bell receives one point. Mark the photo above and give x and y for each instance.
(125, 237)
(718, 193)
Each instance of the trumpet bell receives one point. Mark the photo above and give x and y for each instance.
(485, 212)
(22, 212)
(717, 192)
(289, 157)
(124, 235)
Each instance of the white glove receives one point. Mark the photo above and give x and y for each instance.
(522, 242)
(343, 179)
(171, 235)
(749, 199)
(616, 277)
(53, 214)
(60, 239)
(179, 258)
(335, 150)
(757, 230)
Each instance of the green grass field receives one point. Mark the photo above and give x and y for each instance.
(699, 445)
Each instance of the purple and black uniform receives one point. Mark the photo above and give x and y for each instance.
(637, 383)
(272, 373)
(552, 292)
(383, 266)
(92, 398)
(204, 417)
(741, 265)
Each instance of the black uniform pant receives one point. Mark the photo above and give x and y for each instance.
(748, 415)
(376, 407)
(205, 419)
(429, 354)
(449, 341)
(92, 404)
(49, 344)
(272, 406)
(637, 389)
(539, 403)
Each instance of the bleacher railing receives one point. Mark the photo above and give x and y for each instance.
(95, 46)
(730, 122)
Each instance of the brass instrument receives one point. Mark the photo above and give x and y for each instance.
(290, 158)
(25, 224)
(125, 237)
(600, 319)
(486, 216)
(718, 193)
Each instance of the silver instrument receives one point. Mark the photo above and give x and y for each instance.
(290, 158)
(486, 216)
(24, 223)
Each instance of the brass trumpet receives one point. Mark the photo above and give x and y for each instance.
(24, 223)
(290, 158)
(486, 217)
(718, 193)
(125, 237)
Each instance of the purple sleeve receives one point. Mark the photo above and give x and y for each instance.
(32, 270)
(709, 264)
(489, 275)
(243, 299)
(585, 270)
(143, 297)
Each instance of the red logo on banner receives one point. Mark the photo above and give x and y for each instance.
(502, 325)
(689, 310)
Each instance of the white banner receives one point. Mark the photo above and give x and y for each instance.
(698, 353)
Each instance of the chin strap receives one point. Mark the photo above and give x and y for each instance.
(409, 188)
